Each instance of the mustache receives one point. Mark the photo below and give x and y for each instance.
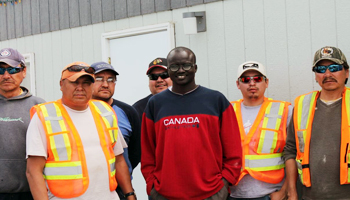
(329, 79)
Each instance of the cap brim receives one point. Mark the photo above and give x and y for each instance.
(10, 62)
(249, 69)
(77, 75)
(115, 72)
(154, 66)
(340, 62)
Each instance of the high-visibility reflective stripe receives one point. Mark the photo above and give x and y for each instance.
(272, 120)
(304, 113)
(66, 170)
(300, 170)
(60, 145)
(264, 162)
(108, 118)
(112, 166)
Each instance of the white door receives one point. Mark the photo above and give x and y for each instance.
(130, 52)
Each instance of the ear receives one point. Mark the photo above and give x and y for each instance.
(347, 73)
(24, 72)
(238, 86)
(267, 82)
(195, 68)
(61, 83)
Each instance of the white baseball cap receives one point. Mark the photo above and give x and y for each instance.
(251, 65)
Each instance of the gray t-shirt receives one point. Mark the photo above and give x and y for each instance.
(249, 187)
(324, 153)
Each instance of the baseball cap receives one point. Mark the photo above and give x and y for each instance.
(330, 53)
(72, 75)
(158, 62)
(11, 57)
(251, 65)
(102, 66)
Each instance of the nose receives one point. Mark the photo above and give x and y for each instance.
(159, 79)
(6, 74)
(251, 82)
(327, 73)
(104, 83)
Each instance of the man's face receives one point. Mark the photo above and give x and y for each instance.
(252, 90)
(76, 95)
(181, 76)
(11, 82)
(104, 85)
(156, 86)
(331, 81)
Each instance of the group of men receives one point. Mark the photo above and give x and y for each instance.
(195, 144)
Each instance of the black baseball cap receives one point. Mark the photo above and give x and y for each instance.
(158, 62)
(102, 66)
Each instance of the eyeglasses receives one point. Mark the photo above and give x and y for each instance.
(155, 77)
(256, 79)
(10, 70)
(175, 68)
(323, 69)
(78, 68)
(108, 80)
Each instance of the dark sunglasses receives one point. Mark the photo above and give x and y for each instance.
(256, 79)
(323, 69)
(78, 68)
(10, 70)
(155, 77)
(175, 68)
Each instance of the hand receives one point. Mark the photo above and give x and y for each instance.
(279, 195)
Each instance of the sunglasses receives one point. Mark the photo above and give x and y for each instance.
(155, 77)
(175, 68)
(108, 80)
(78, 68)
(256, 79)
(10, 70)
(323, 69)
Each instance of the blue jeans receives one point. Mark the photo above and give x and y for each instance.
(267, 197)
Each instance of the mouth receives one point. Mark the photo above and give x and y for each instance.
(253, 90)
(329, 80)
(161, 85)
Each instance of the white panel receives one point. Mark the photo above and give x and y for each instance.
(234, 44)
(29, 44)
(57, 64)
(343, 27)
(97, 30)
(254, 33)
(47, 67)
(135, 22)
(299, 48)
(180, 38)
(39, 73)
(216, 47)
(165, 16)
(13, 44)
(276, 49)
(88, 45)
(199, 45)
(20, 44)
(110, 26)
(66, 46)
(149, 19)
(123, 24)
(77, 44)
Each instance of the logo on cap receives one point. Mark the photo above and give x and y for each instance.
(249, 65)
(5, 53)
(326, 52)
(156, 61)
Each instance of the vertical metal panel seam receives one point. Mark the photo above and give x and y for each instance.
(245, 55)
(264, 21)
(58, 16)
(288, 65)
(336, 27)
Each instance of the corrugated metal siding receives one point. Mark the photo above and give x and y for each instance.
(32, 17)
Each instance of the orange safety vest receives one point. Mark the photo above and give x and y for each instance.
(263, 145)
(304, 111)
(65, 170)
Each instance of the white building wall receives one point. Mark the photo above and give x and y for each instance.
(281, 34)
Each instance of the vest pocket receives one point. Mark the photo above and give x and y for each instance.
(268, 141)
(60, 146)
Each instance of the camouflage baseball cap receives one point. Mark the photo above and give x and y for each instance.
(330, 53)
